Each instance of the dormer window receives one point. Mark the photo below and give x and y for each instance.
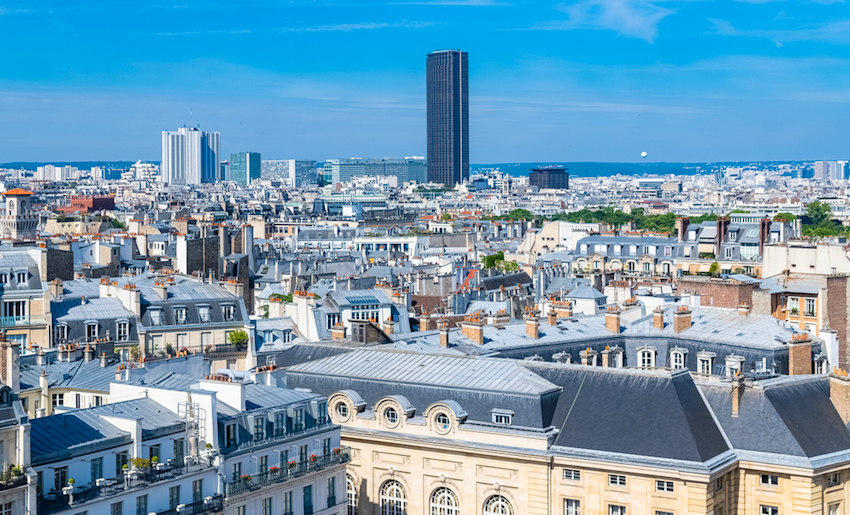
(156, 317)
(91, 330)
(62, 332)
(705, 362)
(204, 313)
(502, 417)
(179, 315)
(228, 312)
(677, 359)
(22, 277)
(646, 357)
(4, 278)
(123, 331)
(268, 336)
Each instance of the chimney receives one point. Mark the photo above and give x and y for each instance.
(161, 289)
(55, 287)
(588, 357)
(737, 393)
(722, 227)
(606, 357)
(473, 328)
(443, 326)
(532, 324)
(501, 318)
(424, 321)
(88, 354)
(10, 364)
(764, 234)
(839, 393)
(103, 360)
(552, 317)
(743, 310)
(389, 326)
(681, 319)
(39, 358)
(800, 355)
(118, 373)
(612, 319)
(338, 332)
(658, 318)
(682, 228)
(44, 385)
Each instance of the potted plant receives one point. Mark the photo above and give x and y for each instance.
(337, 450)
(274, 470)
(245, 477)
(291, 464)
(125, 468)
(71, 481)
(313, 458)
(17, 471)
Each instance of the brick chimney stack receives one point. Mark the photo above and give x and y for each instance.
(443, 326)
(737, 393)
(473, 328)
(424, 321)
(743, 309)
(612, 319)
(681, 319)
(658, 318)
(839, 393)
(338, 331)
(552, 317)
(800, 355)
(532, 323)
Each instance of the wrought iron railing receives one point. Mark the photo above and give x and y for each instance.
(256, 481)
(272, 436)
(10, 480)
(209, 505)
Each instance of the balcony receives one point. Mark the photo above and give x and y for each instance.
(212, 504)
(282, 475)
(21, 321)
(56, 501)
(9, 480)
(299, 429)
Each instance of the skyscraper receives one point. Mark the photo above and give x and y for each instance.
(244, 167)
(190, 156)
(448, 116)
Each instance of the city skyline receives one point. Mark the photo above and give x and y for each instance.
(591, 80)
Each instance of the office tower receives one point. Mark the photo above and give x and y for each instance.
(837, 170)
(550, 178)
(407, 169)
(190, 156)
(244, 167)
(821, 170)
(448, 116)
(301, 173)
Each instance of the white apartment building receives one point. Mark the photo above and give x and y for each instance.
(190, 156)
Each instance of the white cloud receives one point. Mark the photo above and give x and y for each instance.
(837, 32)
(633, 18)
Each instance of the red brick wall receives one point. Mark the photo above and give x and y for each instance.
(836, 311)
(720, 294)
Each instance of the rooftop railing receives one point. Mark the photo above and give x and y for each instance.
(276, 435)
(289, 471)
(212, 504)
(10, 480)
(21, 321)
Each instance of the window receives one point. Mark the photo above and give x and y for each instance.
(98, 400)
(22, 277)
(326, 446)
(204, 313)
(178, 453)
(230, 435)
(302, 453)
(116, 508)
(342, 411)
(283, 457)
(267, 506)
(263, 465)
(120, 461)
(647, 268)
(351, 493)
(646, 359)
(60, 477)
(614, 509)
(237, 470)
(444, 502)
(769, 510)
(833, 508)
(142, 505)
(58, 399)
(393, 500)
(668, 251)
(718, 484)
(810, 308)
(678, 360)
(174, 497)
(727, 252)
(572, 475)
(96, 469)
(767, 479)
(391, 416)
(616, 480)
(156, 317)
(502, 418)
(308, 500)
(179, 315)
(663, 486)
(123, 331)
(298, 420)
(228, 312)
(834, 479)
(497, 505)
(659, 512)
(572, 507)
(443, 422)
(331, 491)
(704, 366)
(259, 428)
(78, 401)
(287, 503)
(61, 332)
(279, 424)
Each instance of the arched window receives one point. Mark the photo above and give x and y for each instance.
(444, 502)
(497, 505)
(393, 500)
(646, 360)
(678, 360)
(351, 492)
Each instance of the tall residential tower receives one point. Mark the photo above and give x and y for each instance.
(244, 167)
(190, 156)
(448, 116)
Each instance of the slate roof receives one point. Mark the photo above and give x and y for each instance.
(585, 292)
(646, 413)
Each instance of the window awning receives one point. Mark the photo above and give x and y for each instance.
(704, 267)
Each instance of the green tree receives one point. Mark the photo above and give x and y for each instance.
(784, 217)
(117, 224)
(519, 214)
(508, 266)
(446, 217)
(491, 260)
(818, 212)
(714, 269)
(238, 338)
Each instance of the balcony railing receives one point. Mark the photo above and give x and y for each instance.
(276, 435)
(57, 501)
(21, 321)
(9, 480)
(209, 505)
(287, 472)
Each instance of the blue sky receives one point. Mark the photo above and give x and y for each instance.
(583, 80)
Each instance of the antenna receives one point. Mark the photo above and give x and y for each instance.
(191, 118)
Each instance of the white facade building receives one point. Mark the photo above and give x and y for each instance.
(190, 156)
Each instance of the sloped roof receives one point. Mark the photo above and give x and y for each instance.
(18, 191)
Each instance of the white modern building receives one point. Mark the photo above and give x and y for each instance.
(190, 156)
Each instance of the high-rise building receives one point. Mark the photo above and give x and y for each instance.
(301, 173)
(550, 178)
(244, 167)
(190, 156)
(448, 116)
(830, 170)
(407, 169)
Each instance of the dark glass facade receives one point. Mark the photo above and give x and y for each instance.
(549, 178)
(448, 116)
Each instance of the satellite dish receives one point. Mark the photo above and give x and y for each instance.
(643, 155)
